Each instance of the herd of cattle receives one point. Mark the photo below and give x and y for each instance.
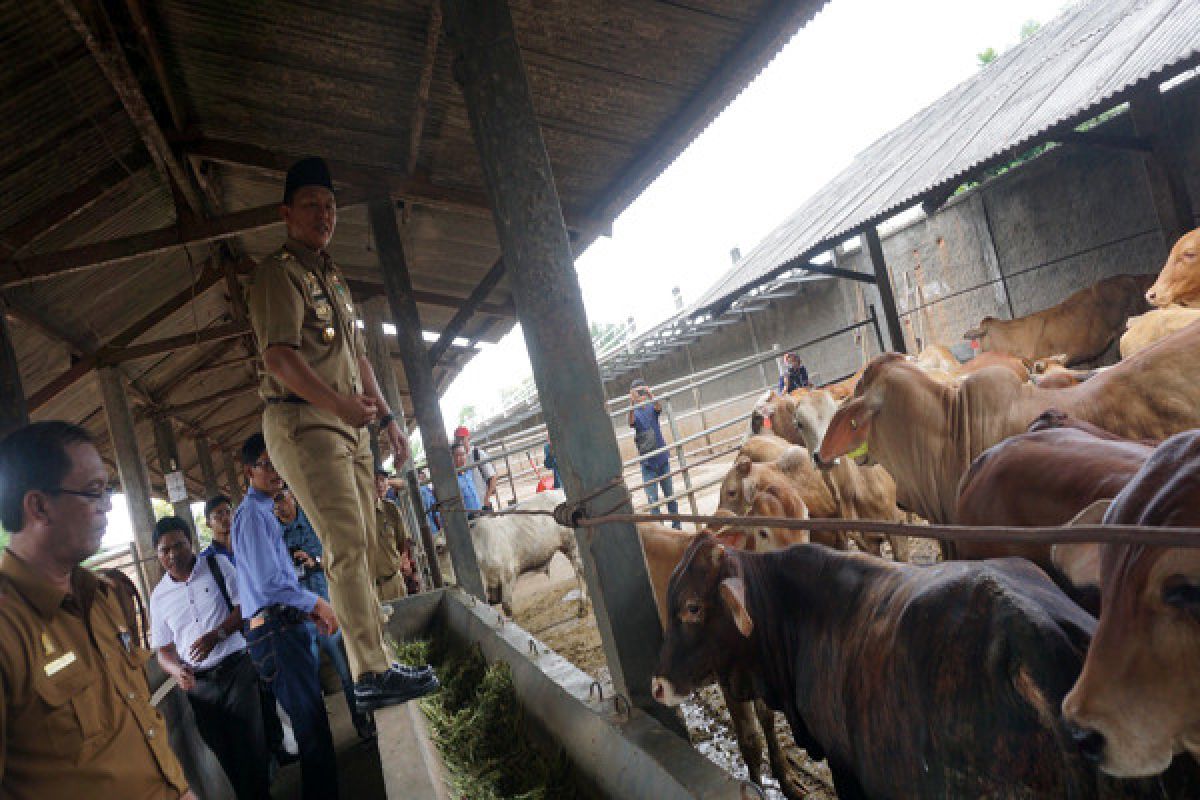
(1006, 670)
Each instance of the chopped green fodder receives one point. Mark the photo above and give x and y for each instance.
(479, 729)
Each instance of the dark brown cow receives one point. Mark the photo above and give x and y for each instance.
(929, 682)
(1137, 703)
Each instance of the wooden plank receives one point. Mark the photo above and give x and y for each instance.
(433, 34)
(467, 310)
(172, 343)
(199, 402)
(537, 250)
(364, 290)
(883, 282)
(14, 412)
(207, 471)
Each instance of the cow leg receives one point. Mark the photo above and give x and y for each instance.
(506, 597)
(901, 547)
(781, 768)
(747, 732)
(584, 602)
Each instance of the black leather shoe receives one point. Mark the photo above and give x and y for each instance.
(381, 689)
(422, 672)
(364, 725)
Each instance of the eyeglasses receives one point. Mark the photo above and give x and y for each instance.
(95, 495)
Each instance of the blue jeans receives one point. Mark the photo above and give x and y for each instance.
(333, 647)
(649, 474)
(283, 657)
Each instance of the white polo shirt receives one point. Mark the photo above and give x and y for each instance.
(182, 612)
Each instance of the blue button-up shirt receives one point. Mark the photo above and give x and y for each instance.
(299, 535)
(428, 500)
(266, 573)
(466, 488)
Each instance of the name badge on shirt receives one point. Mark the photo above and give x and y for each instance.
(60, 663)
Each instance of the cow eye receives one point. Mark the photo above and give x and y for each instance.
(1182, 594)
(693, 608)
(762, 534)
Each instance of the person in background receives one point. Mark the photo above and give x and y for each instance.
(466, 485)
(197, 633)
(429, 501)
(218, 513)
(550, 462)
(483, 474)
(305, 548)
(391, 559)
(75, 713)
(795, 375)
(644, 411)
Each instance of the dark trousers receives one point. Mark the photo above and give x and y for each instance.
(225, 702)
(283, 656)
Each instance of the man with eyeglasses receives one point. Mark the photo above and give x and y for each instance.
(320, 393)
(276, 608)
(196, 626)
(218, 513)
(75, 712)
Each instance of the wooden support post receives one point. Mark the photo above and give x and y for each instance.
(135, 483)
(375, 313)
(537, 251)
(873, 248)
(205, 460)
(13, 411)
(424, 393)
(1164, 167)
(233, 477)
(169, 461)
(762, 367)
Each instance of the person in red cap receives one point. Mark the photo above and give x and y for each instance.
(482, 473)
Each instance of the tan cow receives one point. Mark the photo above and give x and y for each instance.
(1082, 327)
(926, 434)
(1137, 702)
(1178, 283)
(1148, 328)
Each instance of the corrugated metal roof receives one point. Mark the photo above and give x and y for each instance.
(1075, 67)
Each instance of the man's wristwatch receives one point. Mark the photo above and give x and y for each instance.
(386, 420)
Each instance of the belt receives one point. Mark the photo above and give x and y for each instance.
(276, 613)
(288, 398)
(228, 662)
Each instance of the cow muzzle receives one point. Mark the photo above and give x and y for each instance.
(664, 691)
(822, 464)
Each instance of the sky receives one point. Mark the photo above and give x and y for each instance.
(859, 69)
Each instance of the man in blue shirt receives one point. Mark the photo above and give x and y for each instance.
(644, 411)
(428, 500)
(466, 481)
(796, 376)
(276, 608)
(302, 542)
(218, 513)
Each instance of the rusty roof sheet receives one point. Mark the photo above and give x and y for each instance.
(1075, 67)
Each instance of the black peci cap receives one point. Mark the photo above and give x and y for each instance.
(306, 172)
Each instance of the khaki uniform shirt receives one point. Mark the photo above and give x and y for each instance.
(75, 715)
(298, 298)
(390, 541)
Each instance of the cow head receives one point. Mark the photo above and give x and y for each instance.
(1137, 702)
(1179, 282)
(811, 415)
(980, 331)
(737, 490)
(708, 625)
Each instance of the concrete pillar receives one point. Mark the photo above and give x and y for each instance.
(533, 237)
(135, 482)
(233, 476)
(419, 373)
(204, 458)
(13, 411)
(169, 461)
(873, 248)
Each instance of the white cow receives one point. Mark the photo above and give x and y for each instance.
(509, 546)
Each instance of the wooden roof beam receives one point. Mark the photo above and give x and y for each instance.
(199, 402)
(466, 311)
(433, 34)
(172, 343)
(42, 266)
(95, 28)
(363, 290)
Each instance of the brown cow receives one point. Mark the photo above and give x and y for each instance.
(934, 682)
(1178, 283)
(1082, 327)
(926, 434)
(1137, 703)
(753, 723)
(1148, 328)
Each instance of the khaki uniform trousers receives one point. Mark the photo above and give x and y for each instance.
(330, 469)
(391, 588)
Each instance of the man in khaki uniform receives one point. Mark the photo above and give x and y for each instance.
(75, 713)
(391, 544)
(321, 392)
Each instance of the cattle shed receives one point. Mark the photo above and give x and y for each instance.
(1073, 156)
(476, 147)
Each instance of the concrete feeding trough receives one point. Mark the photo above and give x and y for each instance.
(616, 751)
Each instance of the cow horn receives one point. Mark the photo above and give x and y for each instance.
(733, 594)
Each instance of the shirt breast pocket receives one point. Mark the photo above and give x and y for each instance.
(73, 713)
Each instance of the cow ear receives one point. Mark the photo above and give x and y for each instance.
(732, 537)
(1092, 515)
(743, 466)
(1080, 563)
(733, 595)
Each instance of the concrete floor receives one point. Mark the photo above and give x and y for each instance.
(361, 777)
